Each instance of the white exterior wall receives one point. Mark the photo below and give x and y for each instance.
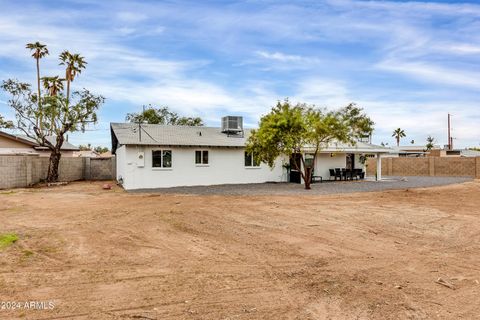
(226, 166)
(120, 155)
(324, 162)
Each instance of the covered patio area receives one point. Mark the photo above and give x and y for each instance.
(338, 162)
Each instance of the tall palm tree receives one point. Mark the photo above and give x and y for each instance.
(398, 134)
(74, 64)
(39, 51)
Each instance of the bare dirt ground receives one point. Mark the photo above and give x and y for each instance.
(100, 254)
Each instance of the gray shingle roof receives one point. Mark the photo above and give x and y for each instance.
(168, 135)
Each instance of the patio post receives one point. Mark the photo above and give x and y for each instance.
(379, 167)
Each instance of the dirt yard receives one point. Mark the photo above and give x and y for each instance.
(97, 254)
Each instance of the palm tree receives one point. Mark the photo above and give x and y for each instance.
(74, 64)
(430, 143)
(398, 134)
(39, 51)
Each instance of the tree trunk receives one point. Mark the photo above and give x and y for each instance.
(308, 177)
(55, 156)
(53, 166)
(39, 119)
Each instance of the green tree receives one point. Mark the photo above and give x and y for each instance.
(5, 124)
(83, 147)
(430, 143)
(101, 149)
(297, 129)
(39, 51)
(398, 134)
(162, 115)
(57, 114)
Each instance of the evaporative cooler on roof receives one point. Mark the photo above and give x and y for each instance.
(232, 124)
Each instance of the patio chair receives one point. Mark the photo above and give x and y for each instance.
(332, 174)
(338, 173)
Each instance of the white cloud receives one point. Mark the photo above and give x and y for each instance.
(278, 56)
(433, 73)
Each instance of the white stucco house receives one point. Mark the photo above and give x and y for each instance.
(160, 156)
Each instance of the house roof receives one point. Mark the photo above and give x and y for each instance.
(168, 135)
(20, 139)
(67, 146)
(188, 136)
(359, 147)
(469, 153)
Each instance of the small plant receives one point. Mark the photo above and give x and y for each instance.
(7, 239)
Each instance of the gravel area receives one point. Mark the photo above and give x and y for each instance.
(327, 187)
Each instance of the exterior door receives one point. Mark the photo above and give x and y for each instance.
(295, 176)
(350, 165)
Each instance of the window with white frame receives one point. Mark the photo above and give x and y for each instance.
(201, 157)
(161, 158)
(250, 160)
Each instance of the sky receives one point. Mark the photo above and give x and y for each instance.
(408, 64)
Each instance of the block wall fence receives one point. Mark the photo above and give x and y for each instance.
(24, 171)
(428, 166)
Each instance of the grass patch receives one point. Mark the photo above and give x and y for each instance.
(7, 192)
(7, 239)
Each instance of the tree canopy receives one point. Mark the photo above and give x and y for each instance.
(430, 143)
(296, 129)
(5, 124)
(162, 115)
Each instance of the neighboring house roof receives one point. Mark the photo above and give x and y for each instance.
(86, 153)
(469, 153)
(32, 143)
(20, 139)
(409, 148)
(107, 154)
(189, 136)
(67, 146)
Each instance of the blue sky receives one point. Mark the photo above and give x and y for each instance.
(407, 64)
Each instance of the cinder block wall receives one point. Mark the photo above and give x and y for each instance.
(23, 171)
(102, 169)
(429, 166)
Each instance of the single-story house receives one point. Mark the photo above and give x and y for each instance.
(11, 144)
(159, 156)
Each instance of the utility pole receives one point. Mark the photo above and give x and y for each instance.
(450, 138)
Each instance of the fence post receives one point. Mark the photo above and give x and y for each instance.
(477, 167)
(431, 166)
(88, 170)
